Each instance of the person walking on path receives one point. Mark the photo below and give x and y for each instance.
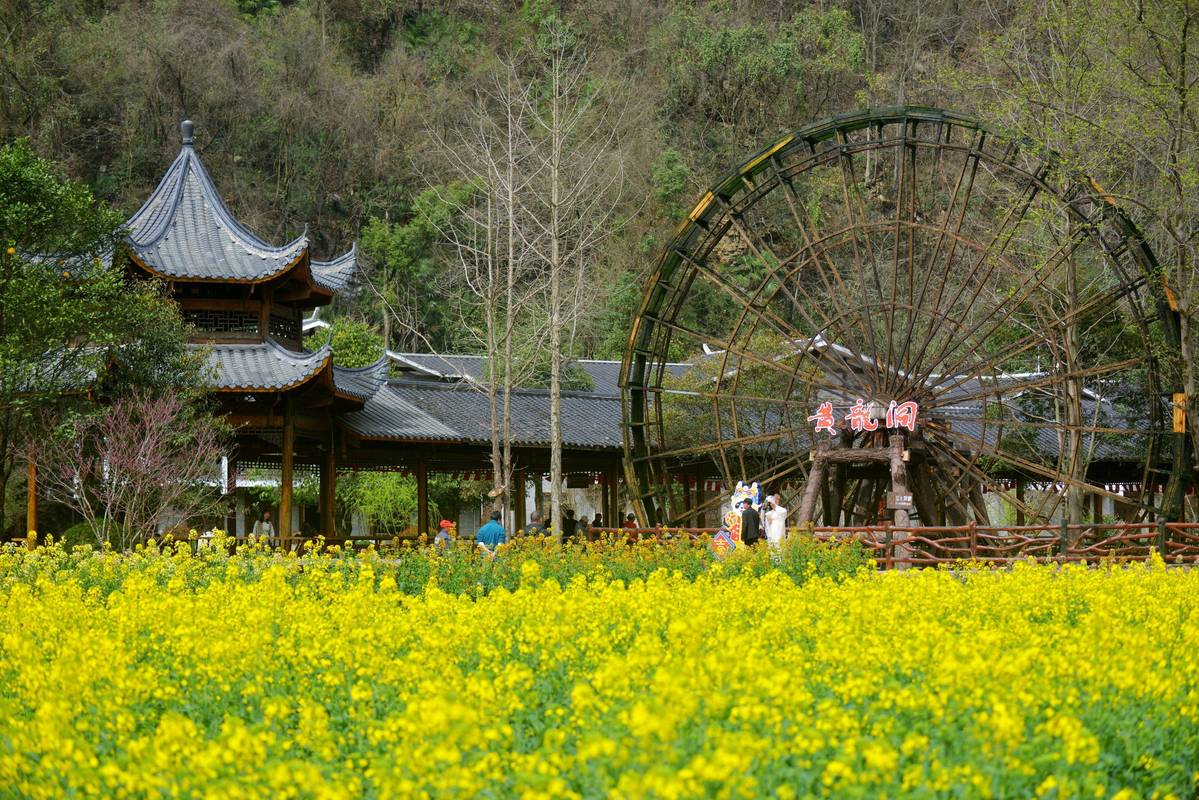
(751, 528)
(776, 521)
(491, 535)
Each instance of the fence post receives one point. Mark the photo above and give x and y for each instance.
(1064, 539)
(889, 551)
(1161, 538)
(973, 539)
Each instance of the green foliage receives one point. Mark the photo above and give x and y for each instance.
(670, 179)
(71, 323)
(616, 316)
(460, 569)
(355, 343)
(731, 84)
(255, 7)
(87, 535)
(574, 377)
(405, 254)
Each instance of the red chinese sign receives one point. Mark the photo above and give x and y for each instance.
(860, 417)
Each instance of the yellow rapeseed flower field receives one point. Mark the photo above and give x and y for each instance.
(170, 675)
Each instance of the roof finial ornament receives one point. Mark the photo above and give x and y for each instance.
(185, 128)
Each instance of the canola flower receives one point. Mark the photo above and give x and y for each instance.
(160, 674)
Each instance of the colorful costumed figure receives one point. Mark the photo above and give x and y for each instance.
(732, 519)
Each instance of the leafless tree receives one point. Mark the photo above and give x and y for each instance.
(492, 156)
(125, 469)
(573, 202)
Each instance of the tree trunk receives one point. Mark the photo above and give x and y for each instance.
(556, 321)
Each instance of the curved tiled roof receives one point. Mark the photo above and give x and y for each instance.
(335, 274)
(185, 231)
(361, 382)
(262, 366)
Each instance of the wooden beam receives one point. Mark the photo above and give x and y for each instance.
(301, 422)
(292, 295)
(856, 455)
(422, 499)
(328, 498)
(31, 504)
(218, 304)
(286, 470)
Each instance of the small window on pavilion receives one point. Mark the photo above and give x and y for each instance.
(236, 323)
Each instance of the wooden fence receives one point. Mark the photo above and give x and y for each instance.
(897, 547)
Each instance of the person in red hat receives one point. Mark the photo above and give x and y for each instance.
(445, 536)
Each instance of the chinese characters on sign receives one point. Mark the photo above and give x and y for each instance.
(859, 418)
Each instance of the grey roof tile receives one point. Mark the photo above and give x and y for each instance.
(185, 230)
(262, 365)
(386, 415)
(361, 382)
(605, 375)
(335, 274)
(462, 414)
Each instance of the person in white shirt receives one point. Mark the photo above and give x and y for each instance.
(775, 517)
(263, 527)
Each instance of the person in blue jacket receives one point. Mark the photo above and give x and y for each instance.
(491, 535)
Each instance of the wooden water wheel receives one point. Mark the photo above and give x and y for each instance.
(899, 256)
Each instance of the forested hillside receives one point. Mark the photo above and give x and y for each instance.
(357, 117)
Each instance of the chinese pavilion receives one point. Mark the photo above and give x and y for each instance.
(292, 408)
(246, 300)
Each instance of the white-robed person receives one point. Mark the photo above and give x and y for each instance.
(775, 517)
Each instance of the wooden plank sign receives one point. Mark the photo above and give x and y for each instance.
(1180, 412)
(899, 500)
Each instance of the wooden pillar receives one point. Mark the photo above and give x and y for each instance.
(899, 478)
(422, 499)
(286, 471)
(700, 499)
(899, 485)
(606, 498)
(812, 489)
(328, 499)
(1020, 497)
(614, 478)
(1097, 508)
(519, 487)
(31, 504)
(539, 495)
